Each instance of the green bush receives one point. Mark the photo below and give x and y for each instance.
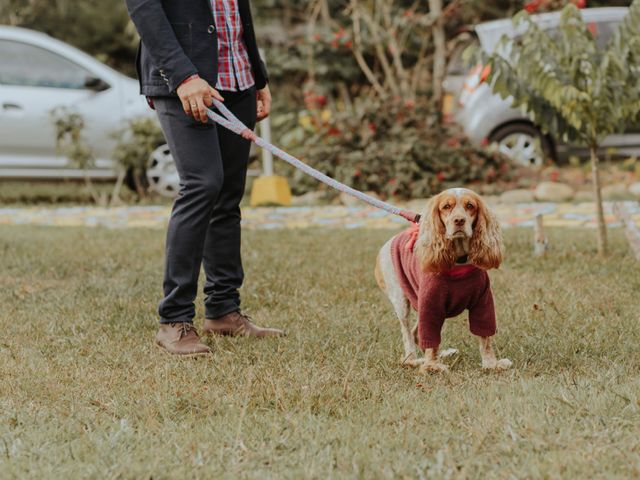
(392, 148)
(135, 143)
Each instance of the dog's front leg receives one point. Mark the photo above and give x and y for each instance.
(431, 362)
(489, 360)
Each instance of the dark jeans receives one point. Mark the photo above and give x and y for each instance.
(205, 222)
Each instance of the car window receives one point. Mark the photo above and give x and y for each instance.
(602, 32)
(457, 64)
(27, 65)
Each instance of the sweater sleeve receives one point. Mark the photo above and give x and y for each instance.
(160, 40)
(431, 314)
(482, 315)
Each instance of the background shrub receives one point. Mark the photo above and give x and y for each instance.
(393, 148)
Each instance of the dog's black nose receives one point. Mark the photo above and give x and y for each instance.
(458, 222)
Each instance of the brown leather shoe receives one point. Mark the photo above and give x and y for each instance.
(237, 324)
(181, 339)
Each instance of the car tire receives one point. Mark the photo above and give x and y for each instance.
(524, 144)
(161, 175)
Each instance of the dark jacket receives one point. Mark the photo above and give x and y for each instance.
(178, 39)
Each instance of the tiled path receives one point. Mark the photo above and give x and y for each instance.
(518, 215)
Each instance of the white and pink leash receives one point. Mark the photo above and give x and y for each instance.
(230, 121)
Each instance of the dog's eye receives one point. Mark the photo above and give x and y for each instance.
(446, 207)
(470, 206)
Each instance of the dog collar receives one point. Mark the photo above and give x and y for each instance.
(462, 259)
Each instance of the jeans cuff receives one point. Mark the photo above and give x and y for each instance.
(221, 310)
(167, 321)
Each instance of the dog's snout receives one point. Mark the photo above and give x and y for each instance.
(459, 221)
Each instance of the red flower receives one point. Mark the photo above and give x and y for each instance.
(534, 5)
(372, 127)
(484, 74)
(554, 175)
(333, 132)
(453, 142)
(357, 173)
(441, 176)
(348, 44)
(580, 3)
(393, 181)
(312, 100)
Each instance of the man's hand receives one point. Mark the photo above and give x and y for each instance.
(263, 98)
(196, 94)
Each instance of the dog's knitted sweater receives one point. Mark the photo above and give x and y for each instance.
(437, 296)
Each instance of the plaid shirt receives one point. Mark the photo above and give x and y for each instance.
(234, 67)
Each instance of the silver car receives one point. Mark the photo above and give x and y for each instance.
(38, 74)
(487, 118)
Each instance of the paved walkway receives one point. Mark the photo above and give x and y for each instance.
(517, 215)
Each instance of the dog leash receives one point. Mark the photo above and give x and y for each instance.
(231, 122)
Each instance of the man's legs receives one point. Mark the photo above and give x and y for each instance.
(221, 256)
(196, 152)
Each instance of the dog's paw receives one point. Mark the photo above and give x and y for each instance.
(448, 352)
(413, 363)
(493, 364)
(412, 360)
(433, 367)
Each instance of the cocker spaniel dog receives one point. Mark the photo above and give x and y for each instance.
(439, 268)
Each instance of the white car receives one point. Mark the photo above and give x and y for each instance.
(487, 118)
(38, 74)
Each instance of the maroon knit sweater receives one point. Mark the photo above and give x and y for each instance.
(437, 296)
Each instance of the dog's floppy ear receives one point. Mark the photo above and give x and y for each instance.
(485, 247)
(434, 251)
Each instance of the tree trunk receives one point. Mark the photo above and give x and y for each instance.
(440, 53)
(115, 195)
(137, 181)
(92, 191)
(540, 241)
(602, 227)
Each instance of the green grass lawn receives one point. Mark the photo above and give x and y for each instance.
(85, 393)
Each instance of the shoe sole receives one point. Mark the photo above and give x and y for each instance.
(192, 354)
(222, 334)
(233, 334)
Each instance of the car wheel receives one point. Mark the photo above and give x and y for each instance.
(161, 173)
(523, 144)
